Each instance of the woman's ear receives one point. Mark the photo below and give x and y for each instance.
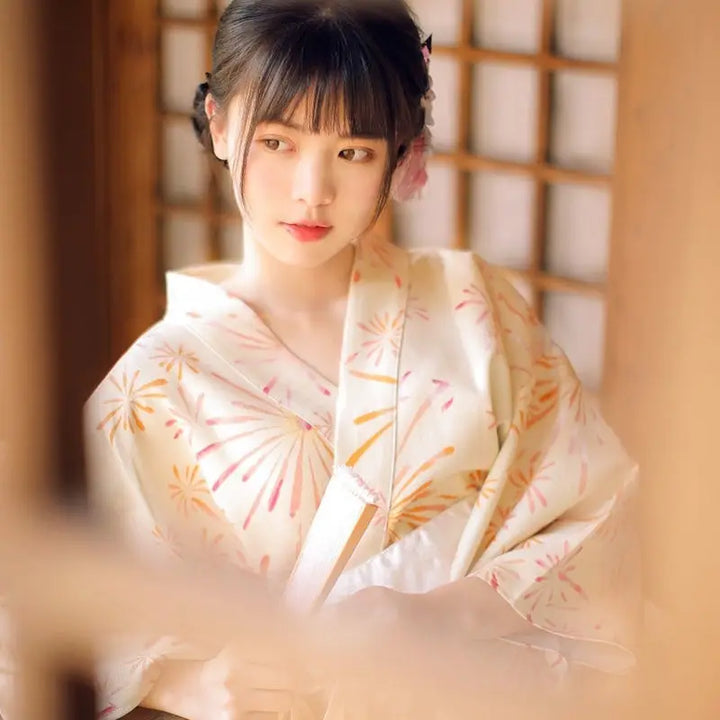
(218, 128)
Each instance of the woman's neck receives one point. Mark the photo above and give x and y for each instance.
(276, 287)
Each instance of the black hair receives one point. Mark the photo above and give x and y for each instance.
(359, 62)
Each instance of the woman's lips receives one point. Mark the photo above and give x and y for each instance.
(307, 233)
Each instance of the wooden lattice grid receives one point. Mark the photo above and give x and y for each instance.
(463, 160)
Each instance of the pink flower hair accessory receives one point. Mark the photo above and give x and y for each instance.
(411, 175)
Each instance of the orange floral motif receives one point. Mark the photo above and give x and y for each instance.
(530, 542)
(499, 520)
(133, 399)
(176, 359)
(477, 481)
(413, 505)
(188, 489)
(544, 394)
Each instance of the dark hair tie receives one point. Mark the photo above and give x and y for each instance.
(200, 119)
(203, 88)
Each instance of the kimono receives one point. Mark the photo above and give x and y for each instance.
(454, 406)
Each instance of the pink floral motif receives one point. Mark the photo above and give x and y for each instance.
(378, 254)
(503, 572)
(554, 587)
(527, 479)
(273, 443)
(476, 297)
(415, 309)
(187, 417)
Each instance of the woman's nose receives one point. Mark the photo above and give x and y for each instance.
(313, 182)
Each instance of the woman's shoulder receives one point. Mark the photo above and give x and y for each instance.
(143, 375)
(452, 264)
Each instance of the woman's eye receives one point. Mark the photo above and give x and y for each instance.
(274, 144)
(355, 155)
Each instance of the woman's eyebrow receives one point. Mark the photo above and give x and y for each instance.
(302, 129)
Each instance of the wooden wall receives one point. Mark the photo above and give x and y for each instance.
(663, 364)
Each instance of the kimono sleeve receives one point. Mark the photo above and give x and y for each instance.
(126, 493)
(561, 544)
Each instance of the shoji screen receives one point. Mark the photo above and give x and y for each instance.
(525, 136)
(524, 132)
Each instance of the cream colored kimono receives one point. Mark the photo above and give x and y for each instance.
(454, 406)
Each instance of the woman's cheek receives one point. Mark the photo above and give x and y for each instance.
(265, 176)
(364, 188)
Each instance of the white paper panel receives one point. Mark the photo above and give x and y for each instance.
(584, 121)
(185, 242)
(184, 8)
(231, 242)
(446, 76)
(578, 232)
(589, 29)
(577, 324)
(505, 108)
(430, 221)
(508, 25)
(185, 164)
(439, 18)
(183, 67)
(501, 218)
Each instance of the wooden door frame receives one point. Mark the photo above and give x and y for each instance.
(128, 47)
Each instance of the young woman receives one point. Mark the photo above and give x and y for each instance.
(500, 489)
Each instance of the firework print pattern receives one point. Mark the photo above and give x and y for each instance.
(211, 439)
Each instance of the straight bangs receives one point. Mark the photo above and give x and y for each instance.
(345, 88)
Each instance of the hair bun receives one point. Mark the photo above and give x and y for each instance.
(200, 121)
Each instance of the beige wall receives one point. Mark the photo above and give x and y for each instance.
(663, 361)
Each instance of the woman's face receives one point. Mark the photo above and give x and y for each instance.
(307, 196)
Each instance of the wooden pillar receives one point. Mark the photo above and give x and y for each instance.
(663, 346)
(25, 354)
(131, 137)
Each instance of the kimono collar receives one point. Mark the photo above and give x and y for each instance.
(199, 288)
